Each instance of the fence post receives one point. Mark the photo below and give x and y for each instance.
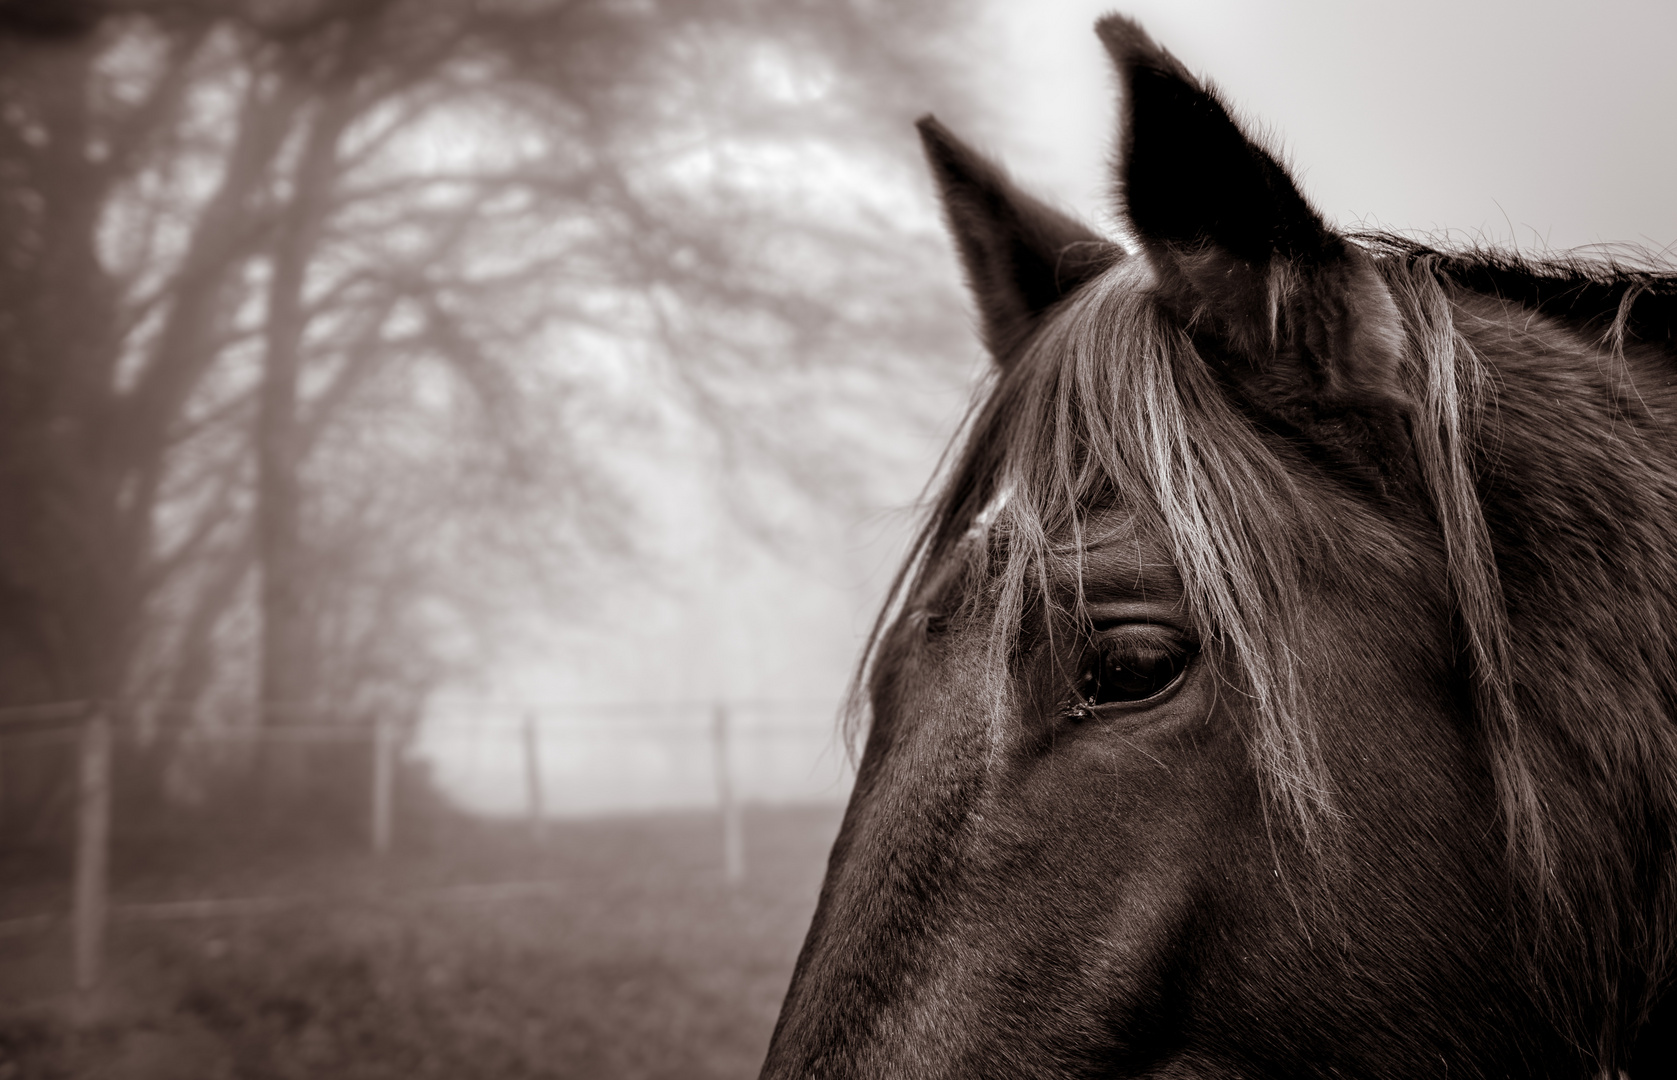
(535, 804)
(384, 777)
(93, 834)
(733, 829)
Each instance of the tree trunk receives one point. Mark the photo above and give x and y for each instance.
(287, 681)
(66, 551)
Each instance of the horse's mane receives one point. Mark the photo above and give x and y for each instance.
(1110, 405)
(1622, 292)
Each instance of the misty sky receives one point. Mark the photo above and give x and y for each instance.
(1545, 124)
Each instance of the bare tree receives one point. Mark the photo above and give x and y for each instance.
(307, 311)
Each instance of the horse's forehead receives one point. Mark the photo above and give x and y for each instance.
(1125, 557)
(1117, 553)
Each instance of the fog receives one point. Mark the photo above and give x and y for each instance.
(502, 414)
(1518, 127)
(1535, 125)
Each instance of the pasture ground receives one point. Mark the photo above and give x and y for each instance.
(612, 949)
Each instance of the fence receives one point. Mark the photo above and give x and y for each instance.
(521, 726)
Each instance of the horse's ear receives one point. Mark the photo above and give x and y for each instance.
(1021, 255)
(1298, 317)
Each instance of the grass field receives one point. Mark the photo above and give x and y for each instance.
(611, 949)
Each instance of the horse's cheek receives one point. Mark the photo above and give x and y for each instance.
(1097, 854)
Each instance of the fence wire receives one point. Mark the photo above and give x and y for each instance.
(539, 758)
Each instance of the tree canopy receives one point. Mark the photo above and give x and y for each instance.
(318, 319)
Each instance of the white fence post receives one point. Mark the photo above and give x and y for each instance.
(384, 783)
(733, 828)
(535, 803)
(93, 834)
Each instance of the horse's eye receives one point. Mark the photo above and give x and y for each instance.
(1133, 663)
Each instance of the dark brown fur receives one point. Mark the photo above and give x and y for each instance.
(1411, 811)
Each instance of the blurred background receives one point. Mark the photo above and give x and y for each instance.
(452, 451)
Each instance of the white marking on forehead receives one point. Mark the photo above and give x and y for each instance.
(987, 516)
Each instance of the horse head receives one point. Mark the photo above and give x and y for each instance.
(1282, 682)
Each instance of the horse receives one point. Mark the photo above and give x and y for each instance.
(1282, 681)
